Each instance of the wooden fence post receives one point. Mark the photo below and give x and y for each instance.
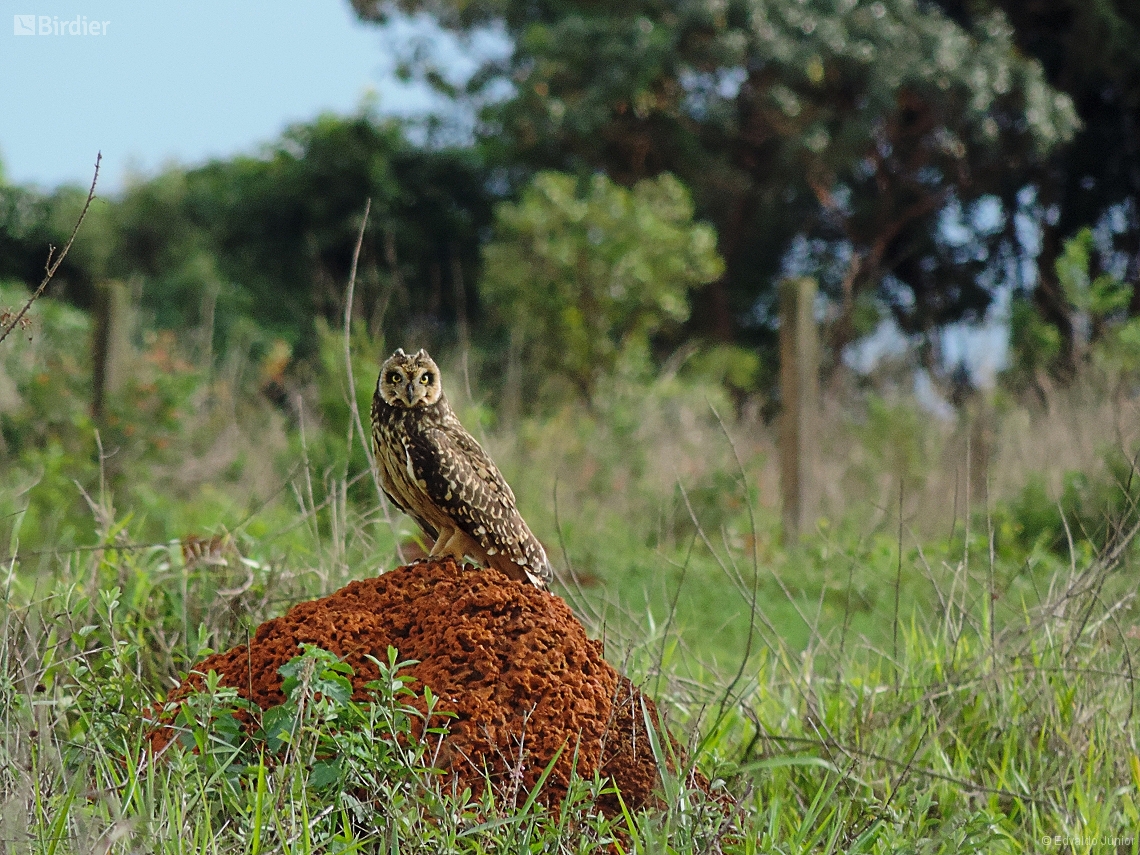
(980, 450)
(109, 344)
(799, 398)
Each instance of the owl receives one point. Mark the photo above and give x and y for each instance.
(432, 469)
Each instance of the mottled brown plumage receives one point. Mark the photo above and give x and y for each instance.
(434, 470)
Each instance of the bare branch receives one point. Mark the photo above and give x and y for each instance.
(51, 265)
(356, 422)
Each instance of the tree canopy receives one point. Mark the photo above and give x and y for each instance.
(270, 237)
(917, 157)
(836, 137)
(1091, 52)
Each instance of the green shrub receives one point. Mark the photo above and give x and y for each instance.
(583, 272)
(1090, 512)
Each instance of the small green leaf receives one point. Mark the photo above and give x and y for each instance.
(325, 773)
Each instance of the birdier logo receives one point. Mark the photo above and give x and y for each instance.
(51, 25)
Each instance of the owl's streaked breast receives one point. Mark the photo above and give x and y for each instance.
(392, 427)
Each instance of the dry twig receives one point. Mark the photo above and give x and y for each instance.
(53, 261)
(365, 440)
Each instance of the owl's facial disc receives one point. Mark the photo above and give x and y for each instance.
(409, 381)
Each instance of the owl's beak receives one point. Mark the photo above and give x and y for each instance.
(411, 387)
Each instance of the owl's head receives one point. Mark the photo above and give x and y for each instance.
(409, 381)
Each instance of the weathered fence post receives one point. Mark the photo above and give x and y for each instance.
(799, 398)
(980, 439)
(109, 344)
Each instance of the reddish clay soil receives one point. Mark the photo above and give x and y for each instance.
(512, 662)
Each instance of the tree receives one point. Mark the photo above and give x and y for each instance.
(31, 222)
(831, 136)
(269, 238)
(1094, 304)
(281, 227)
(584, 273)
(1091, 52)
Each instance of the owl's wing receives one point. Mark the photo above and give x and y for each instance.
(464, 482)
(427, 527)
(391, 493)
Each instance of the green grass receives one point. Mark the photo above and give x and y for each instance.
(981, 724)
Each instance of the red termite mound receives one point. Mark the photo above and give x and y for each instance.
(512, 662)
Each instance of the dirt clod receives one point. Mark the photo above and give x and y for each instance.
(511, 661)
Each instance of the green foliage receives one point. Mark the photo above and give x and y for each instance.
(1096, 297)
(584, 273)
(856, 125)
(1086, 515)
(1120, 351)
(49, 441)
(1090, 51)
(324, 771)
(326, 449)
(895, 448)
(1095, 306)
(46, 432)
(358, 755)
(1034, 344)
(180, 452)
(888, 695)
(737, 369)
(258, 246)
(281, 227)
(988, 724)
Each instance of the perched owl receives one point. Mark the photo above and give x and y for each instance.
(435, 471)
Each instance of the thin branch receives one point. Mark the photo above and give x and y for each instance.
(357, 423)
(898, 586)
(51, 266)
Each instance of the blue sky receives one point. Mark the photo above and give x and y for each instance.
(183, 81)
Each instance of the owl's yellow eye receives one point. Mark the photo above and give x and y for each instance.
(393, 377)
(426, 379)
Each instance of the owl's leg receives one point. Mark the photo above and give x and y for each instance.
(453, 542)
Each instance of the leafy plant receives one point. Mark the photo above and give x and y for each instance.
(1034, 343)
(1096, 308)
(585, 273)
(1096, 298)
(1088, 514)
